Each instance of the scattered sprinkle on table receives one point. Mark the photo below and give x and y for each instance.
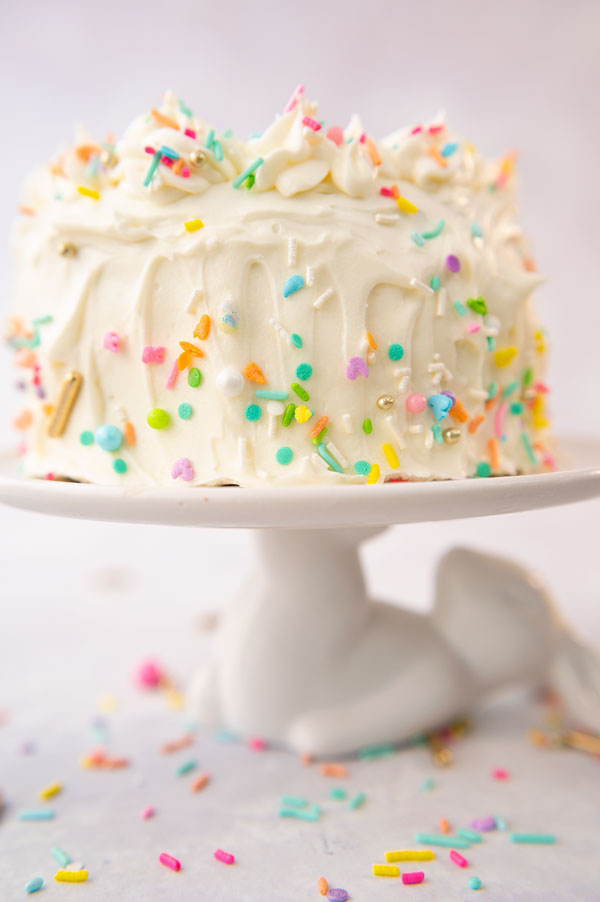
(33, 885)
(225, 857)
(71, 876)
(169, 861)
(413, 877)
(386, 870)
(546, 839)
(49, 791)
(410, 855)
(35, 814)
(433, 839)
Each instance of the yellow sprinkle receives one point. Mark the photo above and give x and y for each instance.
(71, 876)
(390, 455)
(192, 225)
(503, 356)
(107, 703)
(302, 414)
(373, 476)
(50, 791)
(410, 855)
(406, 206)
(89, 192)
(386, 870)
(540, 343)
(174, 699)
(537, 409)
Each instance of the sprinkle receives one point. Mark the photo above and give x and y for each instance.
(158, 418)
(469, 835)
(435, 231)
(194, 377)
(371, 341)
(435, 283)
(493, 452)
(332, 769)
(152, 169)
(504, 356)
(322, 451)
(475, 423)
(302, 414)
(64, 404)
(448, 149)
(33, 885)
(338, 794)
(373, 477)
(406, 206)
(476, 231)
(293, 801)
(185, 768)
(387, 219)
(169, 861)
(202, 328)
(225, 857)
(390, 455)
(433, 839)
(337, 895)
(164, 120)
(436, 155)
(427, 785)
(362, 467)
(185, 411)
(288, 414)
(147, 813)
(172, 377)
(367, 426)
(356, 367)
(293, 284)
(483, 469)
(474, 883)
(458, 412)
(309, 814)
(386, 870)
(409, 877)
(356, 802)
(119, 466)
(529, 450)
(271, 395)
(60, 856)
(248, 171)
(410, 855)
(499, 420)
(322, 886)
(184, 360)
(533, 838)
(151, 354)
(460, 308)
(71, 876)
(300, 391)
(437, 433)
(395, 352)
(335, 452)
(88, 192)
(453, 263)
(253, 412)
(253, 373)
(295, 340)
(500, 774)
(458, 859)
(417, 238)
(86, 437)
(478, 305)
(304, 371)
(35, 814)
(169, 152)
(200, 782)
(347, 423)
(323, 298)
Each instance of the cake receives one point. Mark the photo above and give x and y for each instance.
(310, 306)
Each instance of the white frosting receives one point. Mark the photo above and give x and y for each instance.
(139, 274)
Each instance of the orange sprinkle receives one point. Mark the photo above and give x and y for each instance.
(202, 328)
(323, 886)
(85, 151)
(27, 211)
(436, 155)
(176, 744)
(129, 433)
(373, 153)
(178, 166)
(459, 413)
(493, 450)
(164, 120)
(476, 423)
(306, 759)
(330, 769)
(48, 409)
(319, 426)
(492, 401)
(395, 191)
(23, 420)
(253, 373)
(445, 825)
(193, 350)
(372, 342)
(184, 360)
(529, 264)
(200, 782)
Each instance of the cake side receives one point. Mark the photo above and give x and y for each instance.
(308, 307)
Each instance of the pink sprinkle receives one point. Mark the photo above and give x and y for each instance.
(293, 99)
(149, 674)
(484, 824)
(416, 403)
(541, 387)
(474, 327)
(435, 129)
(190, 133)
(311, 123)
(457, 858)
(413, 877)
(336, 134)
(363, 138)
(225, 857)
(257, 744)
(416, 130)
(183, 468)
(172, 378)
(111, 342)
(167, 161)
(387, 192)
(169, 861)
(149, 149)
(185, 173)
(356, 367)
(499, 420)
(148, 813)
(153, 355)
(453, 263)
(500, 774)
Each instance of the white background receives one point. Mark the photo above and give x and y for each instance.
(79, 603)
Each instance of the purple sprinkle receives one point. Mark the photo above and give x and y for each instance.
(483, 824)
(337, 895)
(40, 392)
(451, 396)
(20, 385)
(356, 367)
(453, 263)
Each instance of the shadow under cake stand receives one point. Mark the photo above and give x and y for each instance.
(303, 657)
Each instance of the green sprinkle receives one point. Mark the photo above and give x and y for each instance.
(158, 418)
(288, 414)
(528, 448)
(218, 152)
(483, 469)
(300, 391)
(338, 794)
(491, 342)
(476, 230)
(501, 824)
(194, 377)
(271, 395)
(357, 801)
(41, 320)
(367, 426)
(477, 305)
(474, 883)
(296, 340)
(311, 814)
(250, 181)
(528, 376)
(437, 433)
(376, 751)
(319, 438)
(293, 802)
(510, 388)
(185, 768)
(185, 411)
(228, 133)
(152, 168)
(435, 283)
(362, 467)
(516, 408)
(460, 308)
(119, 466)
(184, 109)
(395, 352)
(433, 839)
(284, 455)
(417, 238)
(248, 171)
(35, 814)
(546, 839)
(469, 835)
(253, 412)
(435, 231)
(304, 371)
(60, 856)
(86, 437)
(428, 784)
(324, 453)
(492, 390)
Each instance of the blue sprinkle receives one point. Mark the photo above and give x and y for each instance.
(284, 455)
(294, 283)
(35, 814)
(33, 885)
(476, 231)
(210, 138)
(474, 883)
(395, 352)
(417, 238)
(440, 405)
(460, 308)
(217, 150)
(324, 453)
(304, 371)
(271, 395)
(152, 168)
(437, 433)
(253, 412)
(296, 340)
(448, 149)
(109, 438)
(362, 467)
(184, 109)
(169, 152)
(248, 171)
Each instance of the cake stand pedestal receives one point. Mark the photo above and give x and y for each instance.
(303, 657)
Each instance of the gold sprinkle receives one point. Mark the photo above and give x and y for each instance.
(385, 402)
(67, 249)
(451, 436)
(64, 404)
(197, 156)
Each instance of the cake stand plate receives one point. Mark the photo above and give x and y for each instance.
(305, 658)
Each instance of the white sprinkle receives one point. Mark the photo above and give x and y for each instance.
(275, 408)
(280, 330)
(318, 461)
(429, 439)
(440, 308)
(243, 452)
(272, 426)
(310, 275)
(436, 367)
(291, 251)
(335, 452)
(403, 385)
(191, 305)
(402, 371)
(306, 465)
(323, 298)
(395, 434)
(387, 218)
(477, 394)
(416, 429)
(416, 283)
(347, 421)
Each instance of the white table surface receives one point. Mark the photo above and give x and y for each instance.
(83, 602)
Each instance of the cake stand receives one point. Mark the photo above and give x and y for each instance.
(304, 658)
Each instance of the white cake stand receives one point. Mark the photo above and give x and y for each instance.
(306, 659)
